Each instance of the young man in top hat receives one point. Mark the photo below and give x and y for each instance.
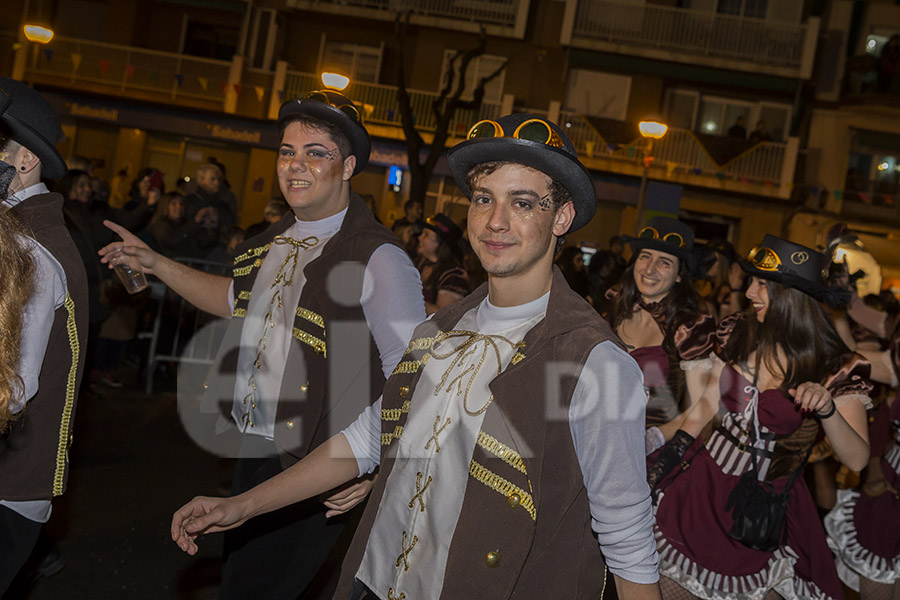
(321, 306)
(34, 464)
(512, 428)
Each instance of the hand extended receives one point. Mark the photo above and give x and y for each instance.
(349, 496)
(131, 245)
(812, 397)
(205, 515)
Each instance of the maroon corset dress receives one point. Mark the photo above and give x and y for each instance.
(662, 405)
(864, 531)
(692, 524)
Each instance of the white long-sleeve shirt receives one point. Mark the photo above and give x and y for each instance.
(391, 301)
(606, 420)
(47, 295)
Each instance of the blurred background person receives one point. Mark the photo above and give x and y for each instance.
(444, 279)
(173, 235)
(211, 192)
(272, 213)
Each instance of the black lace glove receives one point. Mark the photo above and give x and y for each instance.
(669, 457)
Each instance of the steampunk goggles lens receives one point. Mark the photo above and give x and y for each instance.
(673, 239)
(533, 130)
(764, 259)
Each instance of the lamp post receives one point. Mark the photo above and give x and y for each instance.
(650, 130)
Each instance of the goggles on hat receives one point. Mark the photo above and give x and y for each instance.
(533, 130)
(673, 239)
(764, 259)
(437, 224)
(348, 109)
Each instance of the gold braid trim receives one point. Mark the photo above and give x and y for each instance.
(387, 438)
(62, 450)
(241, 271)
(502, 486)
(517, 358)
(252, 253)
(411, 366)
(394, 414)
(311, 340)
(501, 451)
(240, 313)
(425, 343)
(245, 295)
(310, 316)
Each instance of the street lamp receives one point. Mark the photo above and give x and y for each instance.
(650, 130)
(37, 33)
(335, 81)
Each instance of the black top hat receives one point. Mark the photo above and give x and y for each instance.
(668, 235)
(510, 138)
(338, 110)
(444, 227)
(31, 121)
(795, 266)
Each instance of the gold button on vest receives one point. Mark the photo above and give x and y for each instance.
(514, 500)
(304, 388)
(492, 559)
(404, 391)
(289, 424)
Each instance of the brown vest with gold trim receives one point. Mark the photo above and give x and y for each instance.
(524, 530)
(34, 454)
(333, 367)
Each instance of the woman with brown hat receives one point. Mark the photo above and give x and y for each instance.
(657, 313)
(736, 520)
(444, 279)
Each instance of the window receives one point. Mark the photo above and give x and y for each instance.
(479, 67)
(715, 115)
(263, 35)
(359, 63)
(210, 41)
(682, 108)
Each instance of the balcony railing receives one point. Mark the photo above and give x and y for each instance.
(487, 12)
(681, 151)
(122, 68)
(691, 32)
(381, 106)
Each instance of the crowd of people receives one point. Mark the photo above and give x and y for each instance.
(666, 425)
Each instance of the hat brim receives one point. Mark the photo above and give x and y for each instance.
(360, 146)
(52, 164)
(831, 295)
(683, 254)
(556, 163)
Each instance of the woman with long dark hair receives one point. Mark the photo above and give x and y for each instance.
(782, 373)
(657, 313)
(444, 279)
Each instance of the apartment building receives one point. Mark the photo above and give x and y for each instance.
(169, 83)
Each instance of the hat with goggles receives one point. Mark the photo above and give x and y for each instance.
(668, 235)
(31, 121)
(793, 265)
(531, 141)
(338, 110)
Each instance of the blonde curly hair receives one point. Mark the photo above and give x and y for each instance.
(17, 278)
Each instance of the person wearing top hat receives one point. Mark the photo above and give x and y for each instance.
(782, 373)
(321, 305)
(34, 463)
(444, 279)
(510, 437)
(657, 313)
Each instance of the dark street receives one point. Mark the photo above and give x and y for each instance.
(132, 465)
